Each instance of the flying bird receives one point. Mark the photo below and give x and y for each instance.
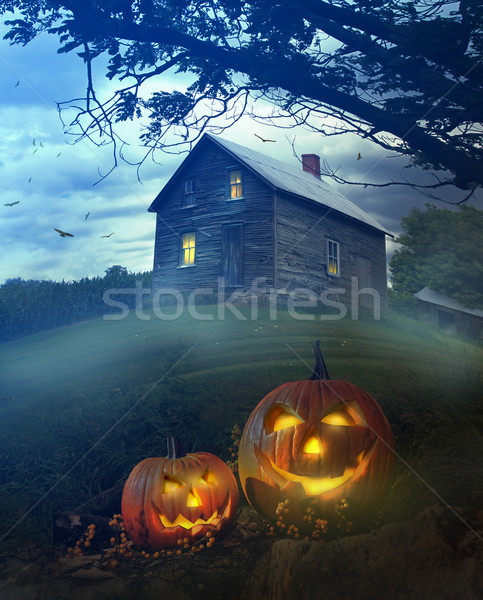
(63, 233)
(17, 84)
(359, 156)
(58, 154)
(85, 219)
(12, 203)
(33, 142)
(35, 151)
(263, 140)
(107, 235)
(30, 179)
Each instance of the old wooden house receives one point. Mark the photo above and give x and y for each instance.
(449, 314)
(233, 213)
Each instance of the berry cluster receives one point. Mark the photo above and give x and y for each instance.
(236, 434)
(83, 543)
(317, 528)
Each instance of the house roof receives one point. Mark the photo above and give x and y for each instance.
(288, 178)
(428, 295)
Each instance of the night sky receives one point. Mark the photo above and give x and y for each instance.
(54, 180)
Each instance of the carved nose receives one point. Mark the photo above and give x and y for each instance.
(192, 500)
(312, 446)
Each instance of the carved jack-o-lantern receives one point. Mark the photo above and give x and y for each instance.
(314, 443)
(177, 497)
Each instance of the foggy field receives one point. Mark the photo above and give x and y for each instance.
(111, 391)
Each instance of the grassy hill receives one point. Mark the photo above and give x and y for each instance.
(80, 406)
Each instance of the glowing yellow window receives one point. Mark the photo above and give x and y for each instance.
(236, 188)
(188, 248)
(333, 258)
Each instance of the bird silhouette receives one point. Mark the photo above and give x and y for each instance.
(12, 203)
(30, 179)
(107, 235)
(359, 156)
(58, 154)
(17, 84)
(87, 215)
(263, 139)
(63, 233)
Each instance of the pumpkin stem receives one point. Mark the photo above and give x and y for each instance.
(175, 450)
(319, 370)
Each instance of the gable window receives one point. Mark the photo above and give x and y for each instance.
(189, 195)
(235, 185)
(188, 246)
(333, 260)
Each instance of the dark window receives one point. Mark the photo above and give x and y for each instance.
(189, 195)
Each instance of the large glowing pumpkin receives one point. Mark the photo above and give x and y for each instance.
(315, 443)
(178, 496)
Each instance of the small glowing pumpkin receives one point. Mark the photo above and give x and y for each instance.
(178, 496)
(315, 443)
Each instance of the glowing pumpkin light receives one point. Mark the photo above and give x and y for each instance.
(177, 497)
(315, 443)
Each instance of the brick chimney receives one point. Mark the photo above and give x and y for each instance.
(311, 164)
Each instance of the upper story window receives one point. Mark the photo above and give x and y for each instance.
(235, 184)
(333, 258)
(188, 247)
(189, 193)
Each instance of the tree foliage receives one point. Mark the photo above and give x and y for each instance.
(441, 249)
(404, 74)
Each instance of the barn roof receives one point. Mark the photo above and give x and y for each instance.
(429, 295)
(293, 180)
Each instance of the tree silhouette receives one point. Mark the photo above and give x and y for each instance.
(406, 75)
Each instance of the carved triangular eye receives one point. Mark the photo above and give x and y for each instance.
(281, 417)
(208, 477)
(171, 483)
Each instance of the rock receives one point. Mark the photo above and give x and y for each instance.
(92, 573)
(435, 555)
(76, 562)
(29, 575)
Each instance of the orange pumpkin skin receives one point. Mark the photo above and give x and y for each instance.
(166, 499)
(313, 461)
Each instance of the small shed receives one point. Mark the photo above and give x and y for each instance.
(449, 314)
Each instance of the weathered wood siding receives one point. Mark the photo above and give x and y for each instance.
(209, 166)
(303, 229)
(451, 321)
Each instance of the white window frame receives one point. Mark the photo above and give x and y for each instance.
(333, 258)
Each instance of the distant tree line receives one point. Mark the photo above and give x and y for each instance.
(31, 306)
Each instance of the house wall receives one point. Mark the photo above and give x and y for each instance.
(451, 321)
(209, 166)
(301, 250)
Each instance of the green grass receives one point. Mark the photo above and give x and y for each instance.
(63, 390)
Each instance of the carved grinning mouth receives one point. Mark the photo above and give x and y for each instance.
(186, 523)
(313, 486)
(182, 521)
